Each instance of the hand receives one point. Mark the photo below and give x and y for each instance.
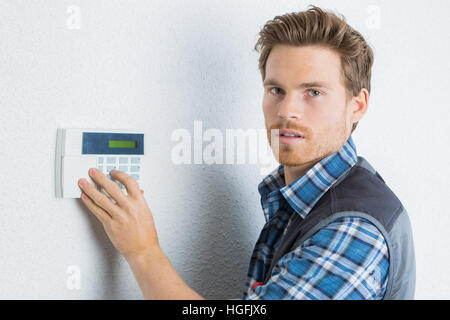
(129, 222)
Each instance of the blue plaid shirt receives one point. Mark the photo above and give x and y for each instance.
(347, 259)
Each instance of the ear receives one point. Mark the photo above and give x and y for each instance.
(359, 105)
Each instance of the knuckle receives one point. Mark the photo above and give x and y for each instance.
(111, 184)
(131, 181)
(113, 226)
(133, 210)
(101, 199)
(119, 220)
(108, 223)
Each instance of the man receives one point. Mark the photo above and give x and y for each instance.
(333, 230)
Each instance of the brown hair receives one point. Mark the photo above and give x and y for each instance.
(318, 27)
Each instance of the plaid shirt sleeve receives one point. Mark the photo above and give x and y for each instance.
(347, 259)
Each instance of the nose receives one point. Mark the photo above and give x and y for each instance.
(289, 107)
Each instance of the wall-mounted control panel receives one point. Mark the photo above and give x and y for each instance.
(78, 150)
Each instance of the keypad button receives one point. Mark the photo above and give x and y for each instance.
(110, 168)
(111, 160)
(100, 160)
(100, 168)
(123, 160)
(135, 168)
(135, 160)
(123, 168)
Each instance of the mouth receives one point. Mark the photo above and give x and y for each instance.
(290, 133)
(288, 136)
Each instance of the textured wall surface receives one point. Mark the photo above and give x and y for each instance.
(161, 65)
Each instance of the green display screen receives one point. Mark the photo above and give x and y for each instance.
(122, 144)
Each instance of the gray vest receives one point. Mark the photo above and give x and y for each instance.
(362, 192)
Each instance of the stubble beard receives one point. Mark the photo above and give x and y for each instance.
(311, 149)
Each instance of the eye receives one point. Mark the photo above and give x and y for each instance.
(271, 90)
(315, 92)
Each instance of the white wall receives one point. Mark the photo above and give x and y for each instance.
(160, 65)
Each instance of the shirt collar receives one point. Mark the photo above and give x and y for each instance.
(303, 193)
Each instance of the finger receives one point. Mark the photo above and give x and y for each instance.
(101, 214)
(128, 181)
(109, 186)
(99, 198)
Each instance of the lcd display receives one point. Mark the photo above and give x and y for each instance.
(122, 144)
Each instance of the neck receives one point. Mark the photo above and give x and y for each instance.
(292, 173)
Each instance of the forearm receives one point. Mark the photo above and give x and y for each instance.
(158, 279)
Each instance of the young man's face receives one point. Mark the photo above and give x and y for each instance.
(320, 114)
